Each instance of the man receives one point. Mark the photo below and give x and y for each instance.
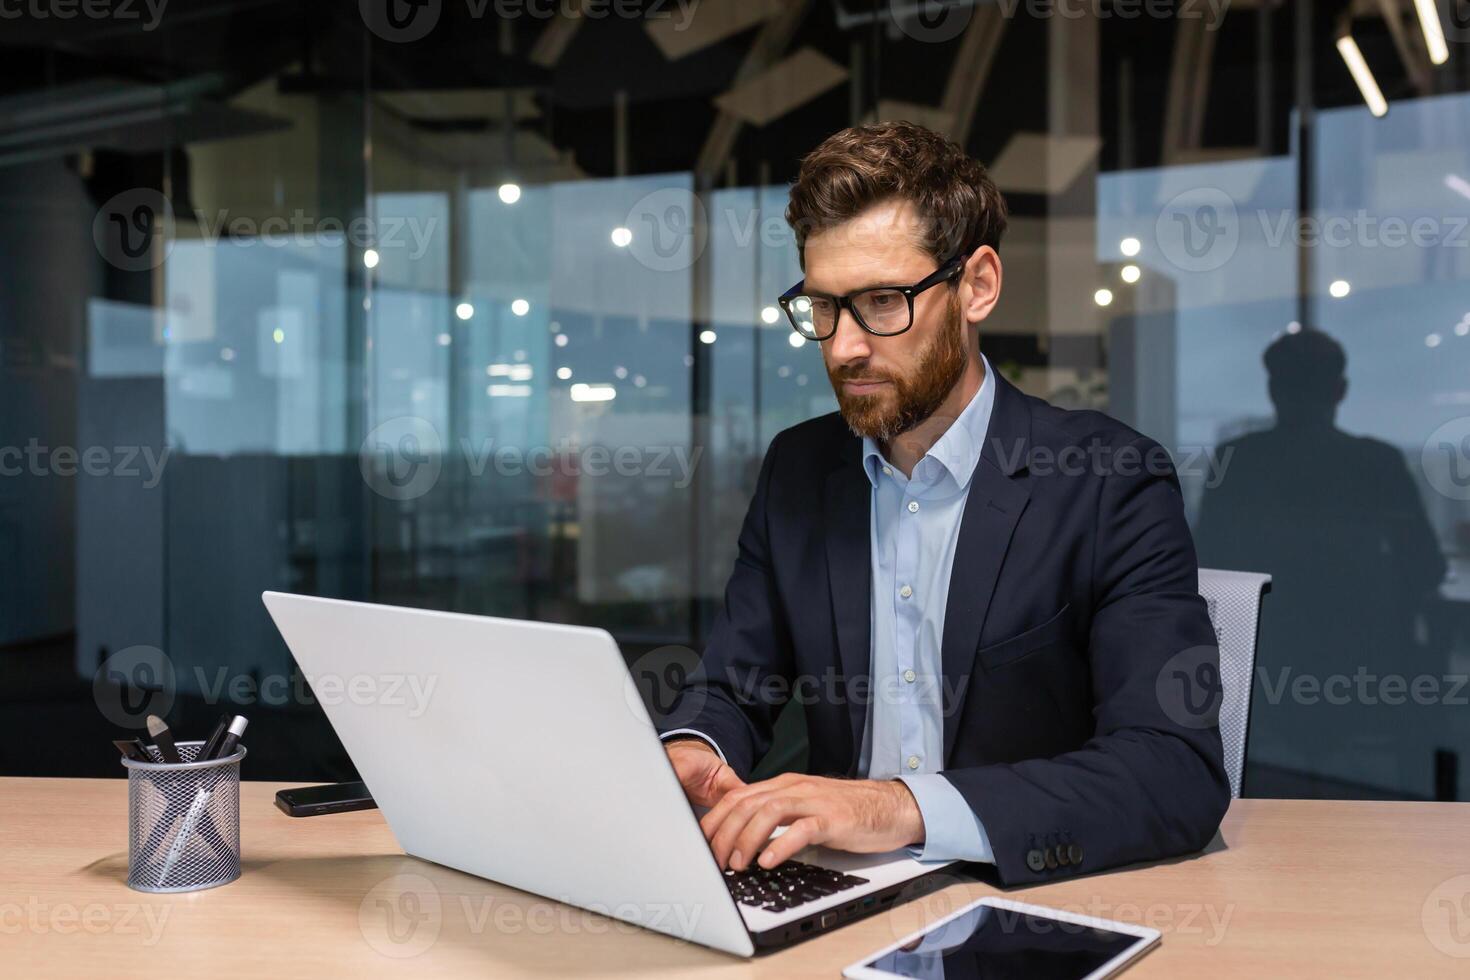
(982, 600)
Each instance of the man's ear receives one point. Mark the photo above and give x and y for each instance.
(980, 284)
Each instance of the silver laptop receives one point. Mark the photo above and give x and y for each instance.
(522, 752)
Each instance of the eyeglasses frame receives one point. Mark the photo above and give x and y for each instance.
(947, 271)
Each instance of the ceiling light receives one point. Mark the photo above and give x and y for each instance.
(1130, 246)
(621, 237)
(1428, 10)
(464, 310)
(509, 193)
(1339, 288)
(1130, 273)
(1102, 297)
(520, 307)
(1353, 58)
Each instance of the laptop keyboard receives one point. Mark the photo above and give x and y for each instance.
(787, 885)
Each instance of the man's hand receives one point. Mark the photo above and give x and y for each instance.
(867, 816)
(704, 777)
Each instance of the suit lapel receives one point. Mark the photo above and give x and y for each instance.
(999, 492)
(849, 573)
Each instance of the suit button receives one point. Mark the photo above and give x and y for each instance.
(1074, 851)
(1064, 858)
(1035, 860)
(1051, 859)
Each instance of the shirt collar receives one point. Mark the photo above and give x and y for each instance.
(958, 450)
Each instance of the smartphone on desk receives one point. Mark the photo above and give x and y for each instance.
(314, 801)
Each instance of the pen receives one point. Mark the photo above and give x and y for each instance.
(186, 831)
(232, 738)
(163, 739)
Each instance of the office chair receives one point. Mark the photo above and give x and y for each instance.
(1234, 600)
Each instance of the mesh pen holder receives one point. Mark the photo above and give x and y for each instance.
(183, 821)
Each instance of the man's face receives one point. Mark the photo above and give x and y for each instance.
(886, 386)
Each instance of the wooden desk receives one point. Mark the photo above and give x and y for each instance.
(1296, 888)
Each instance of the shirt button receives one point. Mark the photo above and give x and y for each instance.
(887, 471)
(909, 675)
(905, 591)
(913, 762)
(913, 506)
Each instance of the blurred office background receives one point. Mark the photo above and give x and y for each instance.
(472, 306)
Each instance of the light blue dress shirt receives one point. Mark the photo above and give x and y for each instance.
(914, 525)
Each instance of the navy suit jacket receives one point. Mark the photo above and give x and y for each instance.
(1073, 610)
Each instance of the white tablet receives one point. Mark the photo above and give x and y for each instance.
(996, 938)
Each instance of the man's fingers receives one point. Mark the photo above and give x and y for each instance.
(733, 823)
(802, 833)
(775, 810)
(711, 821)
(733, 795)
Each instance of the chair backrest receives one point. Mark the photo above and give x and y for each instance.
(1234, 599)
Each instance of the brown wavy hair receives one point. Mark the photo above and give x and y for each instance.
(864, 165)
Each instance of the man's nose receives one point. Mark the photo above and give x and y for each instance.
(850, 342)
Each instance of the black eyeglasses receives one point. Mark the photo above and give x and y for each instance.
(883, 311)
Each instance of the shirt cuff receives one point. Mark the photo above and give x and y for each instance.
(952, 831)
(702, 737)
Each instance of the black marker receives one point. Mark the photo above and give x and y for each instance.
(215, 738)
(133, 749)
(232, 738)
(163, 739)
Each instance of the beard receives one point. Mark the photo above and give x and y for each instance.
(911, 398)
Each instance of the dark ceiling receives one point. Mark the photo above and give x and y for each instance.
(670, 108)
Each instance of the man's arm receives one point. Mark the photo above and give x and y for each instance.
(1151, 782)
(749, 643)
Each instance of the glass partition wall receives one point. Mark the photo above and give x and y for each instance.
(472, 307)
